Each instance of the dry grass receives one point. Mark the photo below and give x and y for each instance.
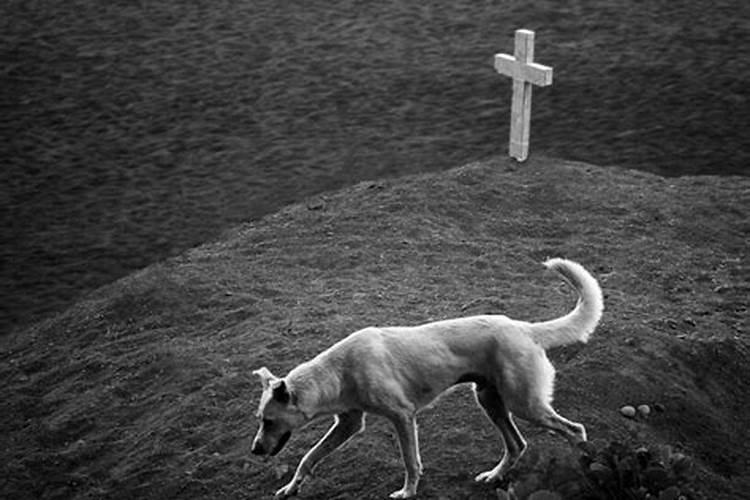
(144, 389)
(132, 131)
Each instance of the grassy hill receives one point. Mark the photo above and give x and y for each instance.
(132, 131)
(143, 389)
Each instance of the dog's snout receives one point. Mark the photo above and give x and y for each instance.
(258, 449)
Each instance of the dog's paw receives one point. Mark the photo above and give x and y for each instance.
(289, 490)
(402, 493)
(490, 476)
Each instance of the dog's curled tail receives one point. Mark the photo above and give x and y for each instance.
(577, 325)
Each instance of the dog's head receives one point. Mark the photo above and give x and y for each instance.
(278, 414)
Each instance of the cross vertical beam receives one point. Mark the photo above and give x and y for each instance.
(525, 73)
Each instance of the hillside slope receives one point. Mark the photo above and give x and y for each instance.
(144, 388)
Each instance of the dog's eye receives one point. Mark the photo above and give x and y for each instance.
(267, 423)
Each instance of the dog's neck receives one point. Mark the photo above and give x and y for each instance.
(316, 389)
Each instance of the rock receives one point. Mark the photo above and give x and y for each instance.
(644, 410)
(627, 411)
(659, 407)
(318, 204)
(280, 470)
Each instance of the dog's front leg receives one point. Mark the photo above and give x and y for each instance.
(406, 428)
(344, 427)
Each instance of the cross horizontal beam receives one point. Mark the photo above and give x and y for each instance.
(536, 74)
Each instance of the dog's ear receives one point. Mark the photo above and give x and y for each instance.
(281, 392)
(266, 377)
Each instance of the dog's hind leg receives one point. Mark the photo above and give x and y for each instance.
(534, 398)
(344, 427)
(406, 429)
(495, 408)
(545, 416)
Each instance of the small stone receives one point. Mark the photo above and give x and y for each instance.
(280, 470)
(628, 411)
(659, 407)
(318, 204)
(644, 410)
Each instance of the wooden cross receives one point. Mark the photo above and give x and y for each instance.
(525, 73)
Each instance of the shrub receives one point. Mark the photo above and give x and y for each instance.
(618, 471)
(613, 471)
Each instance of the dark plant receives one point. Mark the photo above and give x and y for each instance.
(613, 471)
(619, 471)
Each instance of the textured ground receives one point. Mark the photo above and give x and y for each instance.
(144, 390)
(131, 131)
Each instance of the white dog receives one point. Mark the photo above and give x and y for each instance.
(396, 371)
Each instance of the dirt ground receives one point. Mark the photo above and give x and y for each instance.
(144, 388)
